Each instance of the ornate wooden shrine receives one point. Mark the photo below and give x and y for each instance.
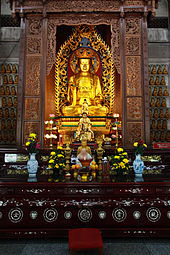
(128, 26)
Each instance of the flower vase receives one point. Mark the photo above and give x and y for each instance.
(32, 165)
(138, 166)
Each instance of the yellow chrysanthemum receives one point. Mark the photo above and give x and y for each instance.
(122, 165)
(50, 166)
(60, 155)
(124, 154)
(51, 161)
(52, 153)
(59, 148)
(117, 157)
(145, 145)
(56, 166)
(125, 160)
(135, 144)
(120, 150)
(28, 143)
(32, 135)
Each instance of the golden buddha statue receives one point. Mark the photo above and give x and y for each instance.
(155, 93)
(4, 104)
(162, 137)
(159, 70)
(3, 68)
(167, 115)
(5, 79)
(2, 91)
(164, 70)
(159, 125)
(166, 93)
(13, 92)
(156, 137)
(84, 128)
(8, 70)
(151, 81)
(11, 79)
(155, 115)
(163, 104)
(12, 113)
(161, 115)
(10, 103)
(15, 102)
(7, 91)
(84, 146)
(157, 82)
(164, 124)
(3, 126)
(16, 79)
(154, 69)
(84, 85)
(152, 103)
(14, 69)
(158, 103)
(9, 126)
(5, 136)
(153, 126)
(1, 113)
(163, 81)
(6, 113)
(160, 93)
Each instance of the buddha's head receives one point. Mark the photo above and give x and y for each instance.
(84, 64)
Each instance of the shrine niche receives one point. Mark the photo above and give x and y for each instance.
(127, 21)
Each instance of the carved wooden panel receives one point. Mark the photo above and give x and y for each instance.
(32, 108)
(134, 2)
(31, 127)
(132, 26)
(32, 86)
(115, 43)
(132, 45)
(34, 26)
(134, 132)
(133, 75)
(134, 108)
(33, 46)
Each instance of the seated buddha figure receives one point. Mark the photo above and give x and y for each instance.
(83, 86)
(84, 129)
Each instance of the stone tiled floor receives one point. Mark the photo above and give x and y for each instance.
(60, 247)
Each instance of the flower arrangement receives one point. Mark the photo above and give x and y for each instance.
(139, 147)
(119, 162)
(33, 145)
(57, 163)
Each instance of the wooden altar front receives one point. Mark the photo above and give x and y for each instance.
(128, 25)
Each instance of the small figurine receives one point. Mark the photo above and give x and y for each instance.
(1, 113)
(159, 125)
(167, 136)
(9, 126)
(13, 92)
(163, 104)
(155, 115)
(3, 69)
(4, 104)
(2, 91)
(14, 69)
(5, 79)
(149, 70)
(156, 137)
(155, 93)
(151, 81)
(150, 113)
(11, 79)
(3, 126)
(154, 69)
(14, 124)
(15, 102)
(7, 91)
(162, 137)
(12, 113)
(152, 103)
(5, 136)
(10, 104)
(6, 113)
(161, 115)
(8, 70)
(160, 92)
(163, 81)
(157, 82)
(164, 70)
(153, 125)
(159, 70)
(16, 79)
(167, 115)
(158, 104)
(11, 137)
(164, 124)
(166, 93)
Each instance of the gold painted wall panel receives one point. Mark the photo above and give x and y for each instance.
(32, 108)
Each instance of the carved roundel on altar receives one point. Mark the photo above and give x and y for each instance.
(50, 215)
(85, 215)
(67, 215)
(119, 214)
(153, 214)
(15, 215)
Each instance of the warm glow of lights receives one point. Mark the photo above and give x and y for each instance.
(116, 115)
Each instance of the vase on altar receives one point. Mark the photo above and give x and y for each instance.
(32, 165)
(138, 166)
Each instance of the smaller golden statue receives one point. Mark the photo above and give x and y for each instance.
(7, 91)
(152, 103)
(159, 125)
(154, 69)
(155, 93)
(151, 81)
(158, 103)
(14, 69)
(161, 115)
(14, 124)
(167, 136)
(164, 124)
(5, 79)
(3, 69)
(167, 115)
(5, 136)
(156, 137)
(11, 79)
(157, 82)
(1, 113)
(84, 128)
(9, 126)
(162, 137)
(155, 115)
(159, 70)
(160, 93)
(4, 104)
(85, 107)
(15, 102)
(164, 70)
(166, 93)
(8, 70)
(163, 81)
(10, 103)
(149, 70)
(3, 126)
(12, 113)
(163, 104)
(153, 126)
(6, 113)
(84, 146)
(16, 79)
(11, 137)
(13, 92)
(2, 91)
